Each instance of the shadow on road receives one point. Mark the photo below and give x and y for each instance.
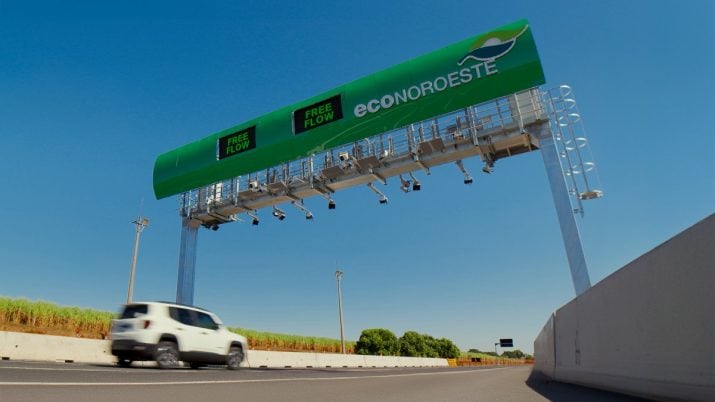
(562, 392)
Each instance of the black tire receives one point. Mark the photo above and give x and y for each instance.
(234, 358)
(167, 355)
(123, 362)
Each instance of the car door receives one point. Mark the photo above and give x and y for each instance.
(210, 338)
(185, 329)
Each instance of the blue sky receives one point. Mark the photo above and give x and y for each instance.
(90, 95)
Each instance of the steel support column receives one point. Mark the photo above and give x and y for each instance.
(564, 210)
(187, 262)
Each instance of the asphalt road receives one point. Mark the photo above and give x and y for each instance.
(37, 382)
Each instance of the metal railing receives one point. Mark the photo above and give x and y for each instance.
(576, 159)
(475, 125)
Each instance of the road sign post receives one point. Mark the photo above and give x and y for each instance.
(339, 277)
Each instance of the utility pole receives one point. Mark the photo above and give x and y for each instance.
(140, 223)
(338, 277)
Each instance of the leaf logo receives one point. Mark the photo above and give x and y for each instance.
(493, 45)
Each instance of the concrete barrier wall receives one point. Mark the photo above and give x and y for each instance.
(647, 329)
(19, 346)
(544, 350)
(15, 345)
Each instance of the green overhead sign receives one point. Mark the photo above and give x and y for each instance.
(475, 70)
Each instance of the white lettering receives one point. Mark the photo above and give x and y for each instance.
(465, 75)
(416, 95)
(438, 84)
(453, 79)
(443, 81)
(427, 85)
(401, 97)
(387, 101)
(360, 110)
(490, 68)
(475, 67)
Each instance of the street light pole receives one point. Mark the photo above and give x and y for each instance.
(140, 223)
(338, 277)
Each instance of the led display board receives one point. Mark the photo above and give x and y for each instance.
(474, 70)
(318, 114)
(236, 143)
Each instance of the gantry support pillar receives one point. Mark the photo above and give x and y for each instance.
(564, 210)
(187, 262)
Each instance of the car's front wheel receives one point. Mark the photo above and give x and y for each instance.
(234, 358)
(167, 355)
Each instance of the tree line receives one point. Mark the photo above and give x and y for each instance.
(382, 342)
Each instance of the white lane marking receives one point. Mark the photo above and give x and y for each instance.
(91, 370)
(106, 384)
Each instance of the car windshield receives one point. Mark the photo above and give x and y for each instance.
(134, 311)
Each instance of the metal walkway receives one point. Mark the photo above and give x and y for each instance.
(493, 130)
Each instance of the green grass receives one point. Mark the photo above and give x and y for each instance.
(47, 314)
(50, 318)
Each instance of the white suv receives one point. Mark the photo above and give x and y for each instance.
(169, 333)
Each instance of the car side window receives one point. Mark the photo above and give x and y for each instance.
(134, 311)
(205, 321)
(174, 313)
(181, 315)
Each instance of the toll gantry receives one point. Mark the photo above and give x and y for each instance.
(481, 97)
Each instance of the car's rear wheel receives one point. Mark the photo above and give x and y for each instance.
(234, 358)
(123, 362)
(167, 356)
